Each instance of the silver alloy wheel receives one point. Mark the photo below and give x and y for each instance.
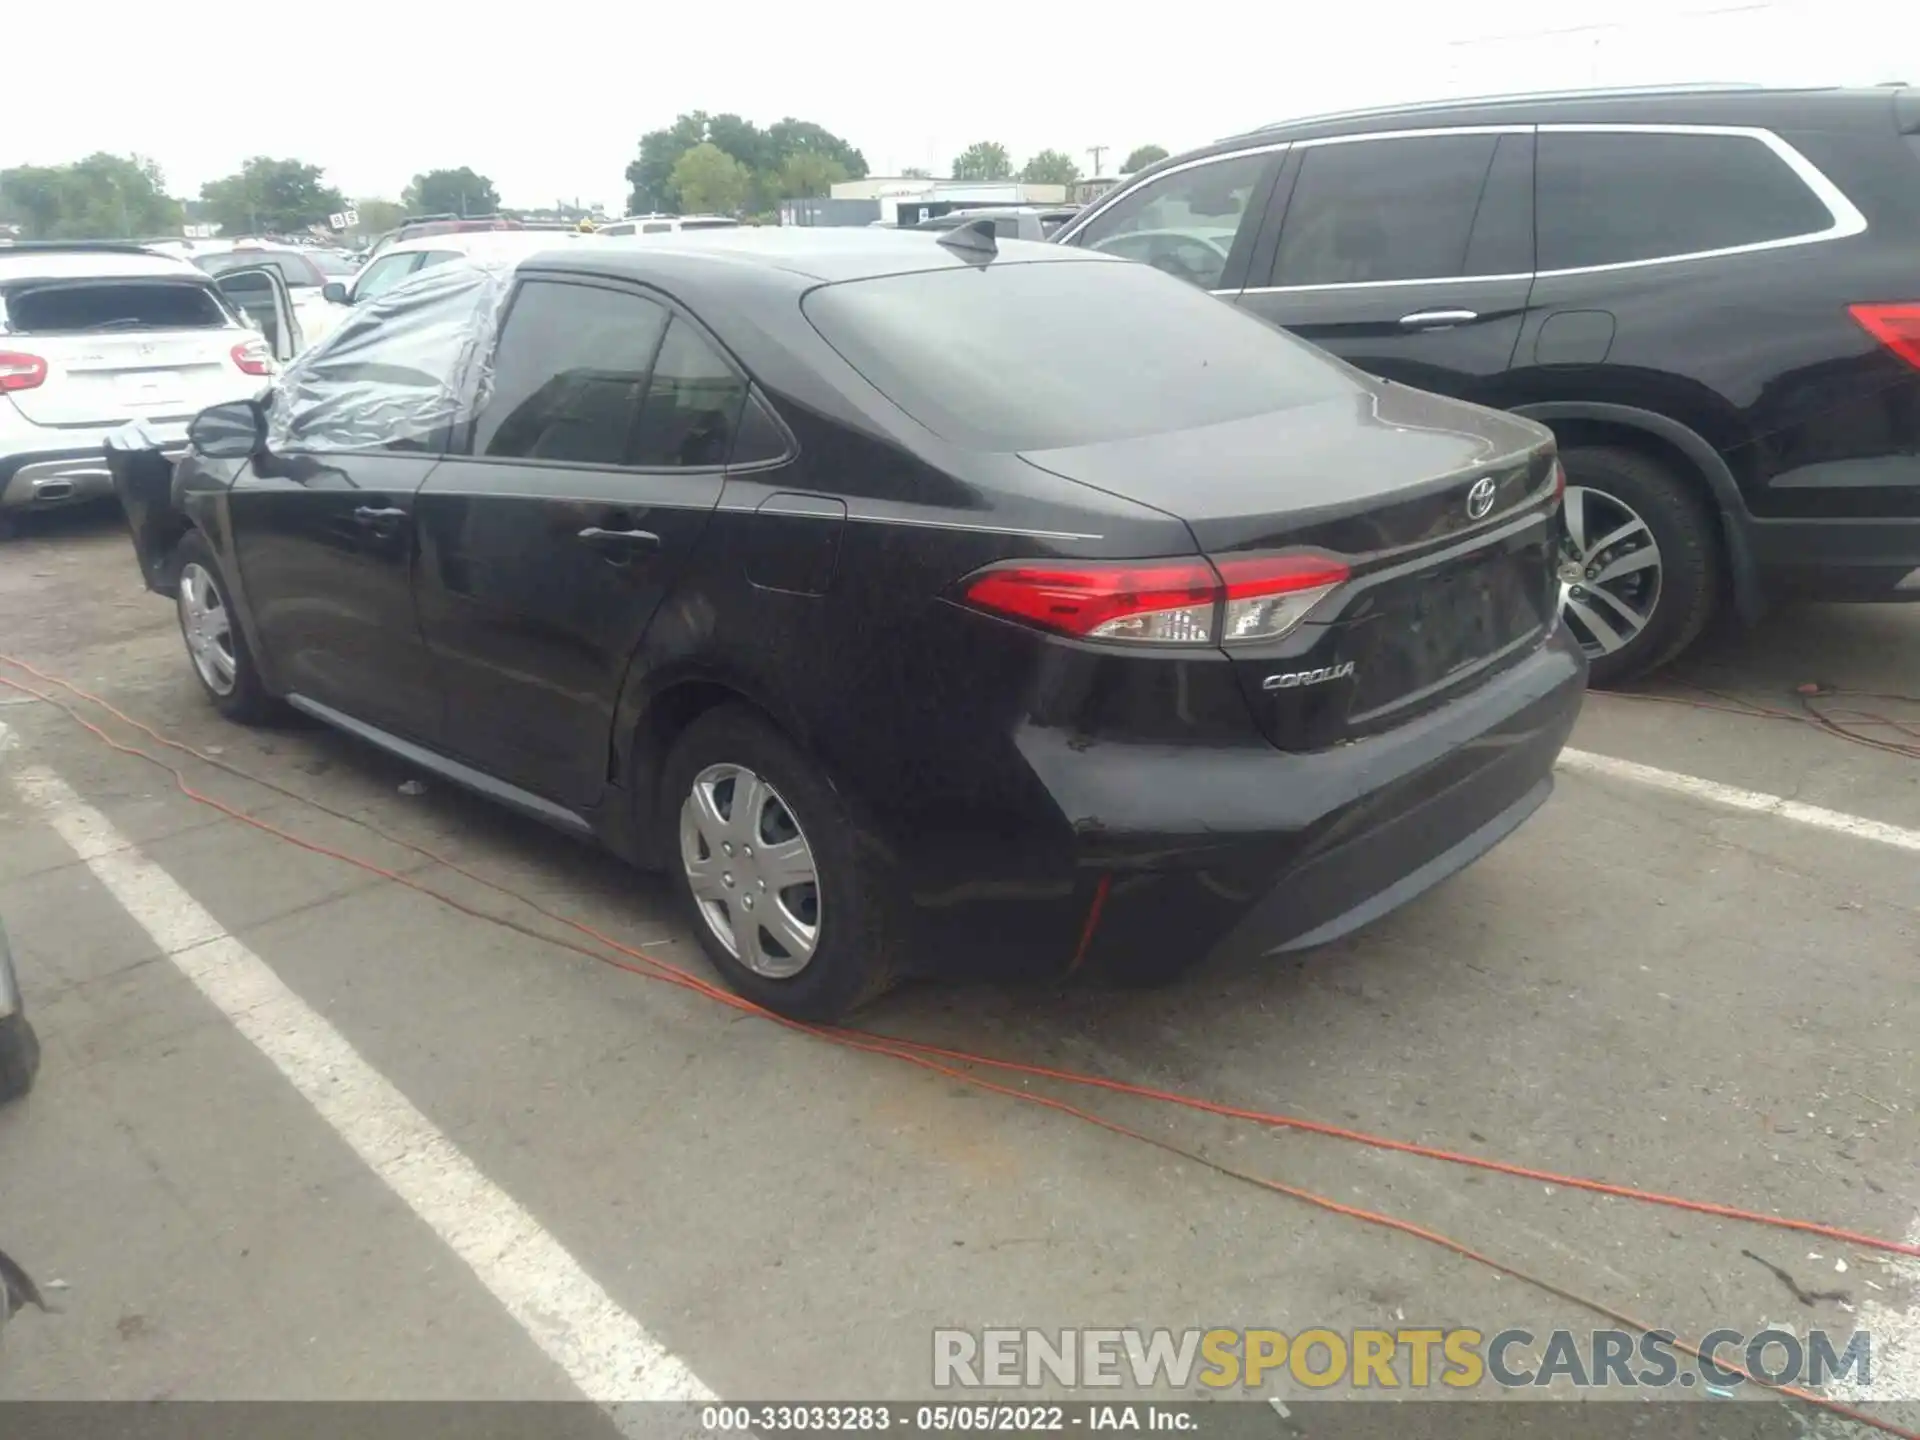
(208, 626)
(751, 871)
(1610, 571)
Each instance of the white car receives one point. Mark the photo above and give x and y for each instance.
(407, 257)
(93, 335)
(306, 273)
(666, 224)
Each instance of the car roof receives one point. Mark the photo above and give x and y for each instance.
(804, 255)
(488, 242)
(28, 263)
(1755, 105)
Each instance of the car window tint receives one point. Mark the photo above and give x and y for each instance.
(1607, 198)
(570, 374)
(760, 437)
(1381, 210)
(658, 228)
(1502, 242)
(385, 273)
(430, 258)
(693, 403)
(1034, 356)
(1183, 223)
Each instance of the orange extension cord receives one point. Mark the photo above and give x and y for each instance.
(920, 1053)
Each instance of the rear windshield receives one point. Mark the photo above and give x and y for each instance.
(1037, 356)
(109, 305)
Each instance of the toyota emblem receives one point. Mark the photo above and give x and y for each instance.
(1480, 498)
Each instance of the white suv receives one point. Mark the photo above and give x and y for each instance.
(95, 335)
(665, 224)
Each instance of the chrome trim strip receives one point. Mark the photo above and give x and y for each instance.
(1847, 218)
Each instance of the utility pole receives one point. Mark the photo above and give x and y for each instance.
(1096, 151)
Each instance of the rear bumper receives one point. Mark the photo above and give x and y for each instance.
(1178, 851)
(43, 479)
(1839, 559)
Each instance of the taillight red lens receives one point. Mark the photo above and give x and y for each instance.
(1895, 326)
(20, 371)
(1158, 601)
(253, 357)
(1559, 481)
(1161, 602)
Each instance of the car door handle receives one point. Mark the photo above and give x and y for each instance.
(382, 521)
(1433, 319)
(620, 544)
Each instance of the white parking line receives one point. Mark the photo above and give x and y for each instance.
(603, 1349)
(1734, 798)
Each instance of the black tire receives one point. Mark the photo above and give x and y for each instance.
(9, 526)
(247, 701)
(856, 907)
(19, 1057)
(1677, 516)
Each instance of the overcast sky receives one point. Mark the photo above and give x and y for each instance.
(550, 99)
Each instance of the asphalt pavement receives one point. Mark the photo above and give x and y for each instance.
(305, 1132)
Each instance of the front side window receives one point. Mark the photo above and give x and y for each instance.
(1377, 210)
(1183, 223)
(1612, 197)
(390, 377)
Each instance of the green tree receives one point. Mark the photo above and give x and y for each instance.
(709, 181)
(103, 196)
(1050, 167)
(986, 160)
(1141, 158)
(762, 153)
(807, 172)
(377, 216)
(272, 197)
(650, 175)
(451, 192)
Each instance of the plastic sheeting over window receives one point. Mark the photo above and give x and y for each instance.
(391, 376)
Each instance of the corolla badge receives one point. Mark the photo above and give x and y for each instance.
(1480, 498)
(1294, 679)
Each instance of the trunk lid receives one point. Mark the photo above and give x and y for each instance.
(122, 350)
(1446, 514)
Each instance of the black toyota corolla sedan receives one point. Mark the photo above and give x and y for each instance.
(909, 602)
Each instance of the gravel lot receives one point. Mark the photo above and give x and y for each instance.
(1646, 985)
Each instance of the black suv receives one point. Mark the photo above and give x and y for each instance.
(1711, 295)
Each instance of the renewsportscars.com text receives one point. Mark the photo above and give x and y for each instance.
(1406, 1357)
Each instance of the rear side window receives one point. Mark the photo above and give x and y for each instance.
(1184, 222)
(569, 375)
(1037, 356)
(1610, 197)
(692, 406)
(100, 306)
(710, 225)
(1378, 210)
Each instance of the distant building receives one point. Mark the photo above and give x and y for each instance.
(904, 199)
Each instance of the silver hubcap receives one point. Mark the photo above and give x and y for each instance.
(1609, 571)
(751, 871)
(209, 630)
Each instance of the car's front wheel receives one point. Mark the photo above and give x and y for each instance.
(789, 905)
(1640, 562)
(216, 645)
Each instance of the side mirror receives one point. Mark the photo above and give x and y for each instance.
(236, 430)
(336, 292)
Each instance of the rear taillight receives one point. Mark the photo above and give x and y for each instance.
(1895, 326)
(253, 357)
(1161, 602)
(20, 371)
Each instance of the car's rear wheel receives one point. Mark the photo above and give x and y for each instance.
(792, 909)
(1640, 565)
(216, 644)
